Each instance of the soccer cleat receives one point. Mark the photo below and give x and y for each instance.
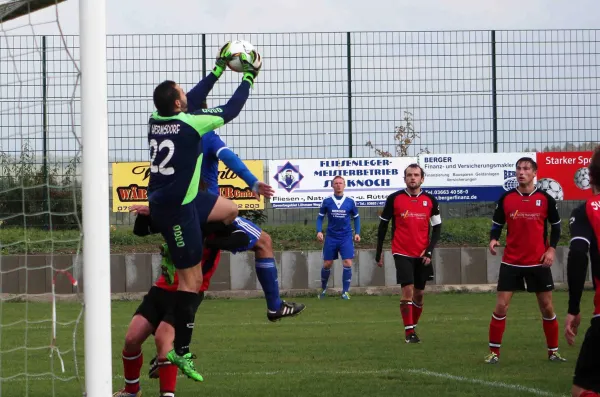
(556, 357)
(185, 364)
(123, 393)
(166, 264)
(412, 338)
(287, 309)
(492, 358)
(323, 294)
(346, 296)
(153, 371)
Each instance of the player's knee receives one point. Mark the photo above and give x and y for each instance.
(327, 264)
(164, 344)
(347, 263)
(265, 241)
(132, 343)
(418, 295)
(264, 246)
(501, 308)
(547, 311)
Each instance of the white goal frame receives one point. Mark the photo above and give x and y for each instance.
(95, 191)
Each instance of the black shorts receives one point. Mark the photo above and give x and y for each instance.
(514, 278)
(157, 304)
(181, 227)
(412, 271)
(587, 369)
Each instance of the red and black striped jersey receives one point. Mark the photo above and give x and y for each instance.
(411, 216)
(526, 217)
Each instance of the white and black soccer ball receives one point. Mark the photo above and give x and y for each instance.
(552, 187)
(582, 178)
(239, 46)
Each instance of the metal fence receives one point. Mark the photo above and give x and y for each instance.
(323, 94)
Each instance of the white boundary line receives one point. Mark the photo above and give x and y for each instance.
(420, 372)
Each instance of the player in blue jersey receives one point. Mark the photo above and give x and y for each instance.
(177, 207)
(339, 210)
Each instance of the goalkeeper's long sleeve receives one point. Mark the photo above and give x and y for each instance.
(198, 94)
(232, 108)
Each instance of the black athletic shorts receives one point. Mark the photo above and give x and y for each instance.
(587, 369)
(181, 227)
(156, 306)
(514, 278)
(412, 271)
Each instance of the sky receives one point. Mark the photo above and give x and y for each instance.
(262, 16)
(299, 107)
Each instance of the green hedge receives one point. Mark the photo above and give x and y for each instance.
(460, 232)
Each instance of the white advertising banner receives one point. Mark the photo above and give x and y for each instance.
(470, 176)
(304, 183)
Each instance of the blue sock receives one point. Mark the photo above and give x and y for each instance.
(346, 279)
(266, 272)
(325, 277)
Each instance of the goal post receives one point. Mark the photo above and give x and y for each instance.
(26, 365)
(95, 191)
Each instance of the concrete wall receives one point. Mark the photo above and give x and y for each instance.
(134, 273)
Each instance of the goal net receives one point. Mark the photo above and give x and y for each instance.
(53, 193)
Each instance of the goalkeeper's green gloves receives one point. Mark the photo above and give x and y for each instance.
(251, 67)
(223, 57)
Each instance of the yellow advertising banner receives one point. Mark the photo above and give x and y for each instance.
(130, 185)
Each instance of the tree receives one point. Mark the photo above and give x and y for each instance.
(405, 135)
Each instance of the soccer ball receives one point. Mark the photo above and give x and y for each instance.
(582, 178)
(551, 187)
(239, 46)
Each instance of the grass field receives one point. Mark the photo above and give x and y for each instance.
(456, 232)
(335, 348)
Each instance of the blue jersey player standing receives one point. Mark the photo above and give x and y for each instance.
(178, 208)
(339, 210)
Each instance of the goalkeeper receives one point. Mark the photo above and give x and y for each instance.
(177, 207)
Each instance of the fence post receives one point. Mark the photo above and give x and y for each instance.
(46, 201)
(349, 63)
(203, 55)
(494, 99)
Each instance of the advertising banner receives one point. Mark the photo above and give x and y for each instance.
(564, 175)
(304, 183)
(470, 177)
(130, 185)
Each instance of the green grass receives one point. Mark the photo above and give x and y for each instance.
(335, 348)
(456, 232)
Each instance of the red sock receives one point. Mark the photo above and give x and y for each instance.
(167, 374)
(551, 332)
(497, 327)
(407, 317)
(588, 393)
(132, 364)
(416, 312)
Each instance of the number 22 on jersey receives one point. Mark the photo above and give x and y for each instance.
(155, 149)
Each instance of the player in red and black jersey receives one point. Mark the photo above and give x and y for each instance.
(528, 255)
(585, 236)
(411, 211)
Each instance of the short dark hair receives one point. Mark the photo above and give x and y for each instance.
(164, 97)
(594, 168)
(415, 165)
(527, 160)
(338, 177)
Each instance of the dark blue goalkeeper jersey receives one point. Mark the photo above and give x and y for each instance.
(176, 149)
